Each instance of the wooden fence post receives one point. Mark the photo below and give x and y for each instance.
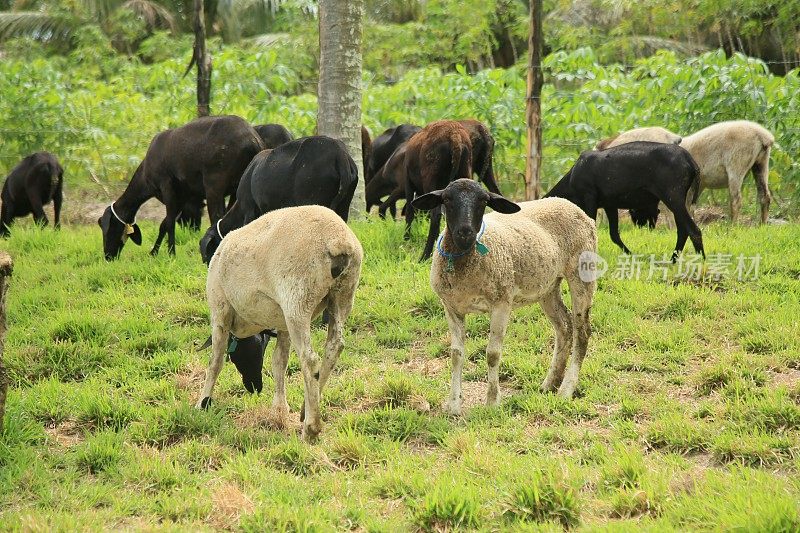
(533, 107)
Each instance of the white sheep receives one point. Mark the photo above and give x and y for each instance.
(278, 272)
(497, 262)
(726, 152)
(654, 134)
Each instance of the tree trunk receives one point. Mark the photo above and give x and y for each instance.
(203, 59)
(339, 96)
(533, 108)
(5, 275)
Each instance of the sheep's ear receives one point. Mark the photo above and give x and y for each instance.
(136, 236)
(429, 201)
(501, 204)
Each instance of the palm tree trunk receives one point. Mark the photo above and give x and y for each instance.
(203, 59)
(533, 109)
(5, 275)
(339, 97)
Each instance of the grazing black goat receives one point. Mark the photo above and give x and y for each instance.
(34, 182)
(273, 135)
(203, 159)
(313, 170)
(635, 176)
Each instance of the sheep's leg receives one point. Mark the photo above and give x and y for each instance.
(501, 314)
(735, 191)
(36, 206)
(582, 293)
(686, 227)
(340, 304)
(433, 232)
(6, 217)
(410, 211)
(613, 228)
(58, 199)
(280, 361)
(553, 306)
(300, 333)
(457, 335)
(761, 175)
(219, 337)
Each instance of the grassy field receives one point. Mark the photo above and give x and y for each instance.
(687, 417)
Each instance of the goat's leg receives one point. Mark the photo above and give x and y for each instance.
(457, 334)
(761, 175)
(433, 232)
(58, 199)
(167, 228)
(36, 206)
(613, 228)
(410, 211)
(553, 306)
(501, 314)
(582, 293)
(219, 337)
(280, 361)
(300, 333)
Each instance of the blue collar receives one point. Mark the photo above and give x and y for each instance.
(450, 256)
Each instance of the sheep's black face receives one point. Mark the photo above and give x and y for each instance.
(464, 203)
(209, 244)
(115, 233)
(249, 360)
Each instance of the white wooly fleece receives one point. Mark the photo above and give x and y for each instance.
(278, 272)
(651, 133)
(725, 152)
(530, 252)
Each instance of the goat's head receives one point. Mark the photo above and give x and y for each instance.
(116, 232)
(464, 202)
(209, 243)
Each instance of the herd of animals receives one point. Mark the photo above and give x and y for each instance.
(281, 252)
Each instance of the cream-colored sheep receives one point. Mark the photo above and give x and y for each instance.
(726, 152)
(529, 253)
(278, 272)
(654, 134)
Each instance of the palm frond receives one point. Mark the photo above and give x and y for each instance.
(266, 40)
(154, 14)
(37, 25)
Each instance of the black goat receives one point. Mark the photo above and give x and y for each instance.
(203, 159)
(273, 135)
(34, 182)
(635, 176)
(313, 170)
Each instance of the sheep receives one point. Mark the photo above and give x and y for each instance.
(279, 272)
(654, 134)
(635, 176)
(437, 155)
(500, 261)
(33, 183)
(726, 152)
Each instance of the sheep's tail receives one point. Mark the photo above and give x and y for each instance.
(348, 181)
(695, 186)
(341, 252)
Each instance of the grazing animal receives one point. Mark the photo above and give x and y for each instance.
(248, 357)
(635, 176)
(482, 152)
(654, 134)
(203, 159)
(511, 258)
(726, 152)
(273, 135)
(191, 214)
(384, 145)
(279, 272)
(437, 155)
(33, 183)
(313, 170)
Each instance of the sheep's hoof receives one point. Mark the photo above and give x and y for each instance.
(548, 386)
(280, 407)
(566, 391)
(204, 403)
(310, 434)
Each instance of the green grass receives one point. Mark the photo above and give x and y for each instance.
(687, 416)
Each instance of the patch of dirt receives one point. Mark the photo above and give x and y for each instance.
(66, 434)
(424, 366)
(89, 212)
(789, 379)
(473, 393)
(229, 503)
(265, 417)
(191, 378)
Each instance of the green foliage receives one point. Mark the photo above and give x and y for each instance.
(544, 497)
(448, 507)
